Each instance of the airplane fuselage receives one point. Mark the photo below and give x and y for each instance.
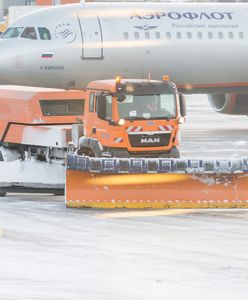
(198, 45)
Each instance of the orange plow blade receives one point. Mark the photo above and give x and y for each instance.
(156, 183)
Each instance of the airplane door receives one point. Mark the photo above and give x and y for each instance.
(91, 32)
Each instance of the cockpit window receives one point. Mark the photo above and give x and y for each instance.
(44, 33)
(29, 33)
(12, 32)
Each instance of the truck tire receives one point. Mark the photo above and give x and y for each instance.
(59, 193)
(86, 152)
(175, 153)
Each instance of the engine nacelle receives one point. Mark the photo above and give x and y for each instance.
(230, 104)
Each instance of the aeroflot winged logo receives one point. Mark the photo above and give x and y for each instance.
(174, 15)
(65, 32)
(145, 27)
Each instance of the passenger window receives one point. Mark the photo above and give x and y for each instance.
(189, 35)
(179, 35)
(44, 33)
(210, 35)
(13, 32)
(147, 35)
(136, 35)
(92, 98)
(230, 34)
(104, 107)
(168, 35)
(109, 108)
(157, 35)
(29, 33)
(241, 35)
(220, 35)
(199, 35)
(126, 36)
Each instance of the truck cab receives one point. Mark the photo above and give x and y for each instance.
(132, 118)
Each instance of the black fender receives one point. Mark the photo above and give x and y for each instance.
(91, 144)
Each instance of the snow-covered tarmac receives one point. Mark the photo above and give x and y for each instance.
(208, 134)
(53, 253)
(49, 252)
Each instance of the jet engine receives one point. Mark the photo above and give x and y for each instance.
(230, 104)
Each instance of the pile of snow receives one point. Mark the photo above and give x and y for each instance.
(19, 171)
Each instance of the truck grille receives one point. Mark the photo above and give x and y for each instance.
(146, 140)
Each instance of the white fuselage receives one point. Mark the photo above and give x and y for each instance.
(197, 45)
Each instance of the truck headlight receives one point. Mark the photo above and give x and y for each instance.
(121, 122)
(181, 120)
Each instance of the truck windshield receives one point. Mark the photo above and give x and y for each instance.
(161, 106)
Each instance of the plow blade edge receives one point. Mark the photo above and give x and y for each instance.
(156, 183)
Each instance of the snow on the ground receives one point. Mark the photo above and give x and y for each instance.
(32, 172)
(53, 253)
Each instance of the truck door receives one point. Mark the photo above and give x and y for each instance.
(91, 33)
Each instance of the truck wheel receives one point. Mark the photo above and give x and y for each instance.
(2, 194)
(175, 153)
(59, 193)
(1, 156)
(86, 152)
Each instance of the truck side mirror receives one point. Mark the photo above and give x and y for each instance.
(121, 97)
(182, 104)
(101, 107)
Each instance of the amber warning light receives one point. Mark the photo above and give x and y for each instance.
(166, 78)
(118, 83)
(118, 79)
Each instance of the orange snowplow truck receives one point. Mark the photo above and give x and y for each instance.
(111, 118)
(130, 118)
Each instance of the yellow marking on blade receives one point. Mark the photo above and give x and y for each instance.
(133, 179)
(1, 232)
(157, 205)
(149, 213)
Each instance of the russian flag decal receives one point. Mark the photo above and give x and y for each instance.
(47, 55)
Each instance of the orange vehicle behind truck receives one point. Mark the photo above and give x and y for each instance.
(36, 122)
(131, 118)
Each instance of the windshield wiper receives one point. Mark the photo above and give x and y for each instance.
(136, 118)
(150, 118)
(162, 118)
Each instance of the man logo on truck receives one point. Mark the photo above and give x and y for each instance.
(150, 140)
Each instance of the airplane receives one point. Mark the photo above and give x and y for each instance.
(202, 46)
